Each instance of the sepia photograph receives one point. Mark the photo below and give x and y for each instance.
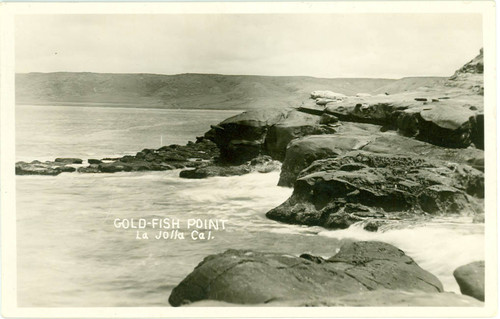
(207, 156)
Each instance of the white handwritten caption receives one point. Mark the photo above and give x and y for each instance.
(172, 228)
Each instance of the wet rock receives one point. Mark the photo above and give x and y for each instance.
(68, 160)
(261, 164)
(92, 168)
(94, 161)
(372, 226)
(379, 187)
(470, 278)
(165, 158)
(132, 166)
(214, 170)
(39, 168)
(250, 277)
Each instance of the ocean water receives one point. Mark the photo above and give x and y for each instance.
(73, 252)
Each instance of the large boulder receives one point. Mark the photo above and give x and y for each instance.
(447, 125)
(470, 278)
(240, 138)
(250, 277)
(263, 132)
(363, 186)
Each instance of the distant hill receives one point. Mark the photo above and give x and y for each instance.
(410, 84)
(190, 91)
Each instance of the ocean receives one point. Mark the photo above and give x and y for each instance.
(75, 243)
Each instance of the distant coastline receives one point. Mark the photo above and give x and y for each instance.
(194, 91)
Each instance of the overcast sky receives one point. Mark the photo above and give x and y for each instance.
(326, 45)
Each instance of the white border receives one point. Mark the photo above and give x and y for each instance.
(8, 11)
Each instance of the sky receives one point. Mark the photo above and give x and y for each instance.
(319, 45)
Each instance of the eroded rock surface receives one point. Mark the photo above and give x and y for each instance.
(364, 186)
(250, 277)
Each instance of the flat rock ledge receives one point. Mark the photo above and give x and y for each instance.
(470, 279)
(251, 277)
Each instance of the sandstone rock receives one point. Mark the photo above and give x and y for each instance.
(327, 95)
(280, 135)
(470, 76)
(446, 125)
(470, 278)
(361, 186)
(240, 137)
(265, 132)
(302, 152)
(249, 277)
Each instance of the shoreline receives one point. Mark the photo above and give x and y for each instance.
(380, 162)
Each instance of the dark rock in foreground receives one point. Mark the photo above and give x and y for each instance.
(249, 277)
(470, 278)
(363, 186)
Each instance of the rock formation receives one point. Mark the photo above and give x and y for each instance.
(250, 277)
(470, 278)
